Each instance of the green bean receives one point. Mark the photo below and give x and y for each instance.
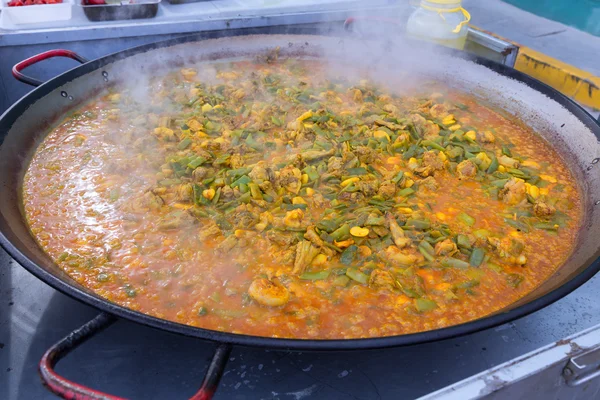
(428, 256)
(356, 275)
(315, 276)
(506, 151)
(238, 172)
(406, 192)
(418, 224)
(482, 233)
(427, 247)
(493, 165)
(450, 262)
(477, 257)
(517, 225)
(217, 196)
(245, 179)
(398, 177)
(466, 219)
(341, 233)
(196, 162)
(432, 144)
(341, 281)
(184, 144)
(349, 254)
(494, 267)
(255, 191)
(424, 304)
(463, 241)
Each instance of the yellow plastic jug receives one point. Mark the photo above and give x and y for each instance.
(440, 21)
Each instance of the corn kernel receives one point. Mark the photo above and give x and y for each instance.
(544, 191)
(405, 210)
(381, 134)
(206, 107)
(394, 160)
(442, 156)
(298, 200)
(548, 178)
(441, 216)
(310, 192)
(349, 181)
(471, 135)
(501, 168)
(304, 178)
(454, 127)
(408, 183)
(208, 193)
(359, 232)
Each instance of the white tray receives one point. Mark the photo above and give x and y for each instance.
(35, 14)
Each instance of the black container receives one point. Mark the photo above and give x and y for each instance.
(119, 11)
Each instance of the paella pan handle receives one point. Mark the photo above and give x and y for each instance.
(18, 67)
(67, 389)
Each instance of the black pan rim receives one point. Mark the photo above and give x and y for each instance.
(283, 343)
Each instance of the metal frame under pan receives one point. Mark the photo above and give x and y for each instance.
(30, 256)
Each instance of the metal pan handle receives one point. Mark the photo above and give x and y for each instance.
(18, 75)
(67, 389)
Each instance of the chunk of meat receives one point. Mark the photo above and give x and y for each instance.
(543, 210)
(208, 231)
(466, 169)
(429, 183)
(431, 130)
(282, 238)
(513, 192)
(431, 159)
(381, 280)
(507, 246)
(185, 192)
(417, 119)
(365, 154)
(317, 241)
(199, 174)
(293, 218)
(305, 253)
(387, 189)
(403, 258)
(485, 137)
(400, 239)
(236, 161)
(290, 179)
(268, 293)
(439, 110)
(368, 188)
(244, 217)
(259, 173)
(445, 247)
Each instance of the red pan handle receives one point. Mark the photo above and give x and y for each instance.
(16, 70)
(70, 390)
